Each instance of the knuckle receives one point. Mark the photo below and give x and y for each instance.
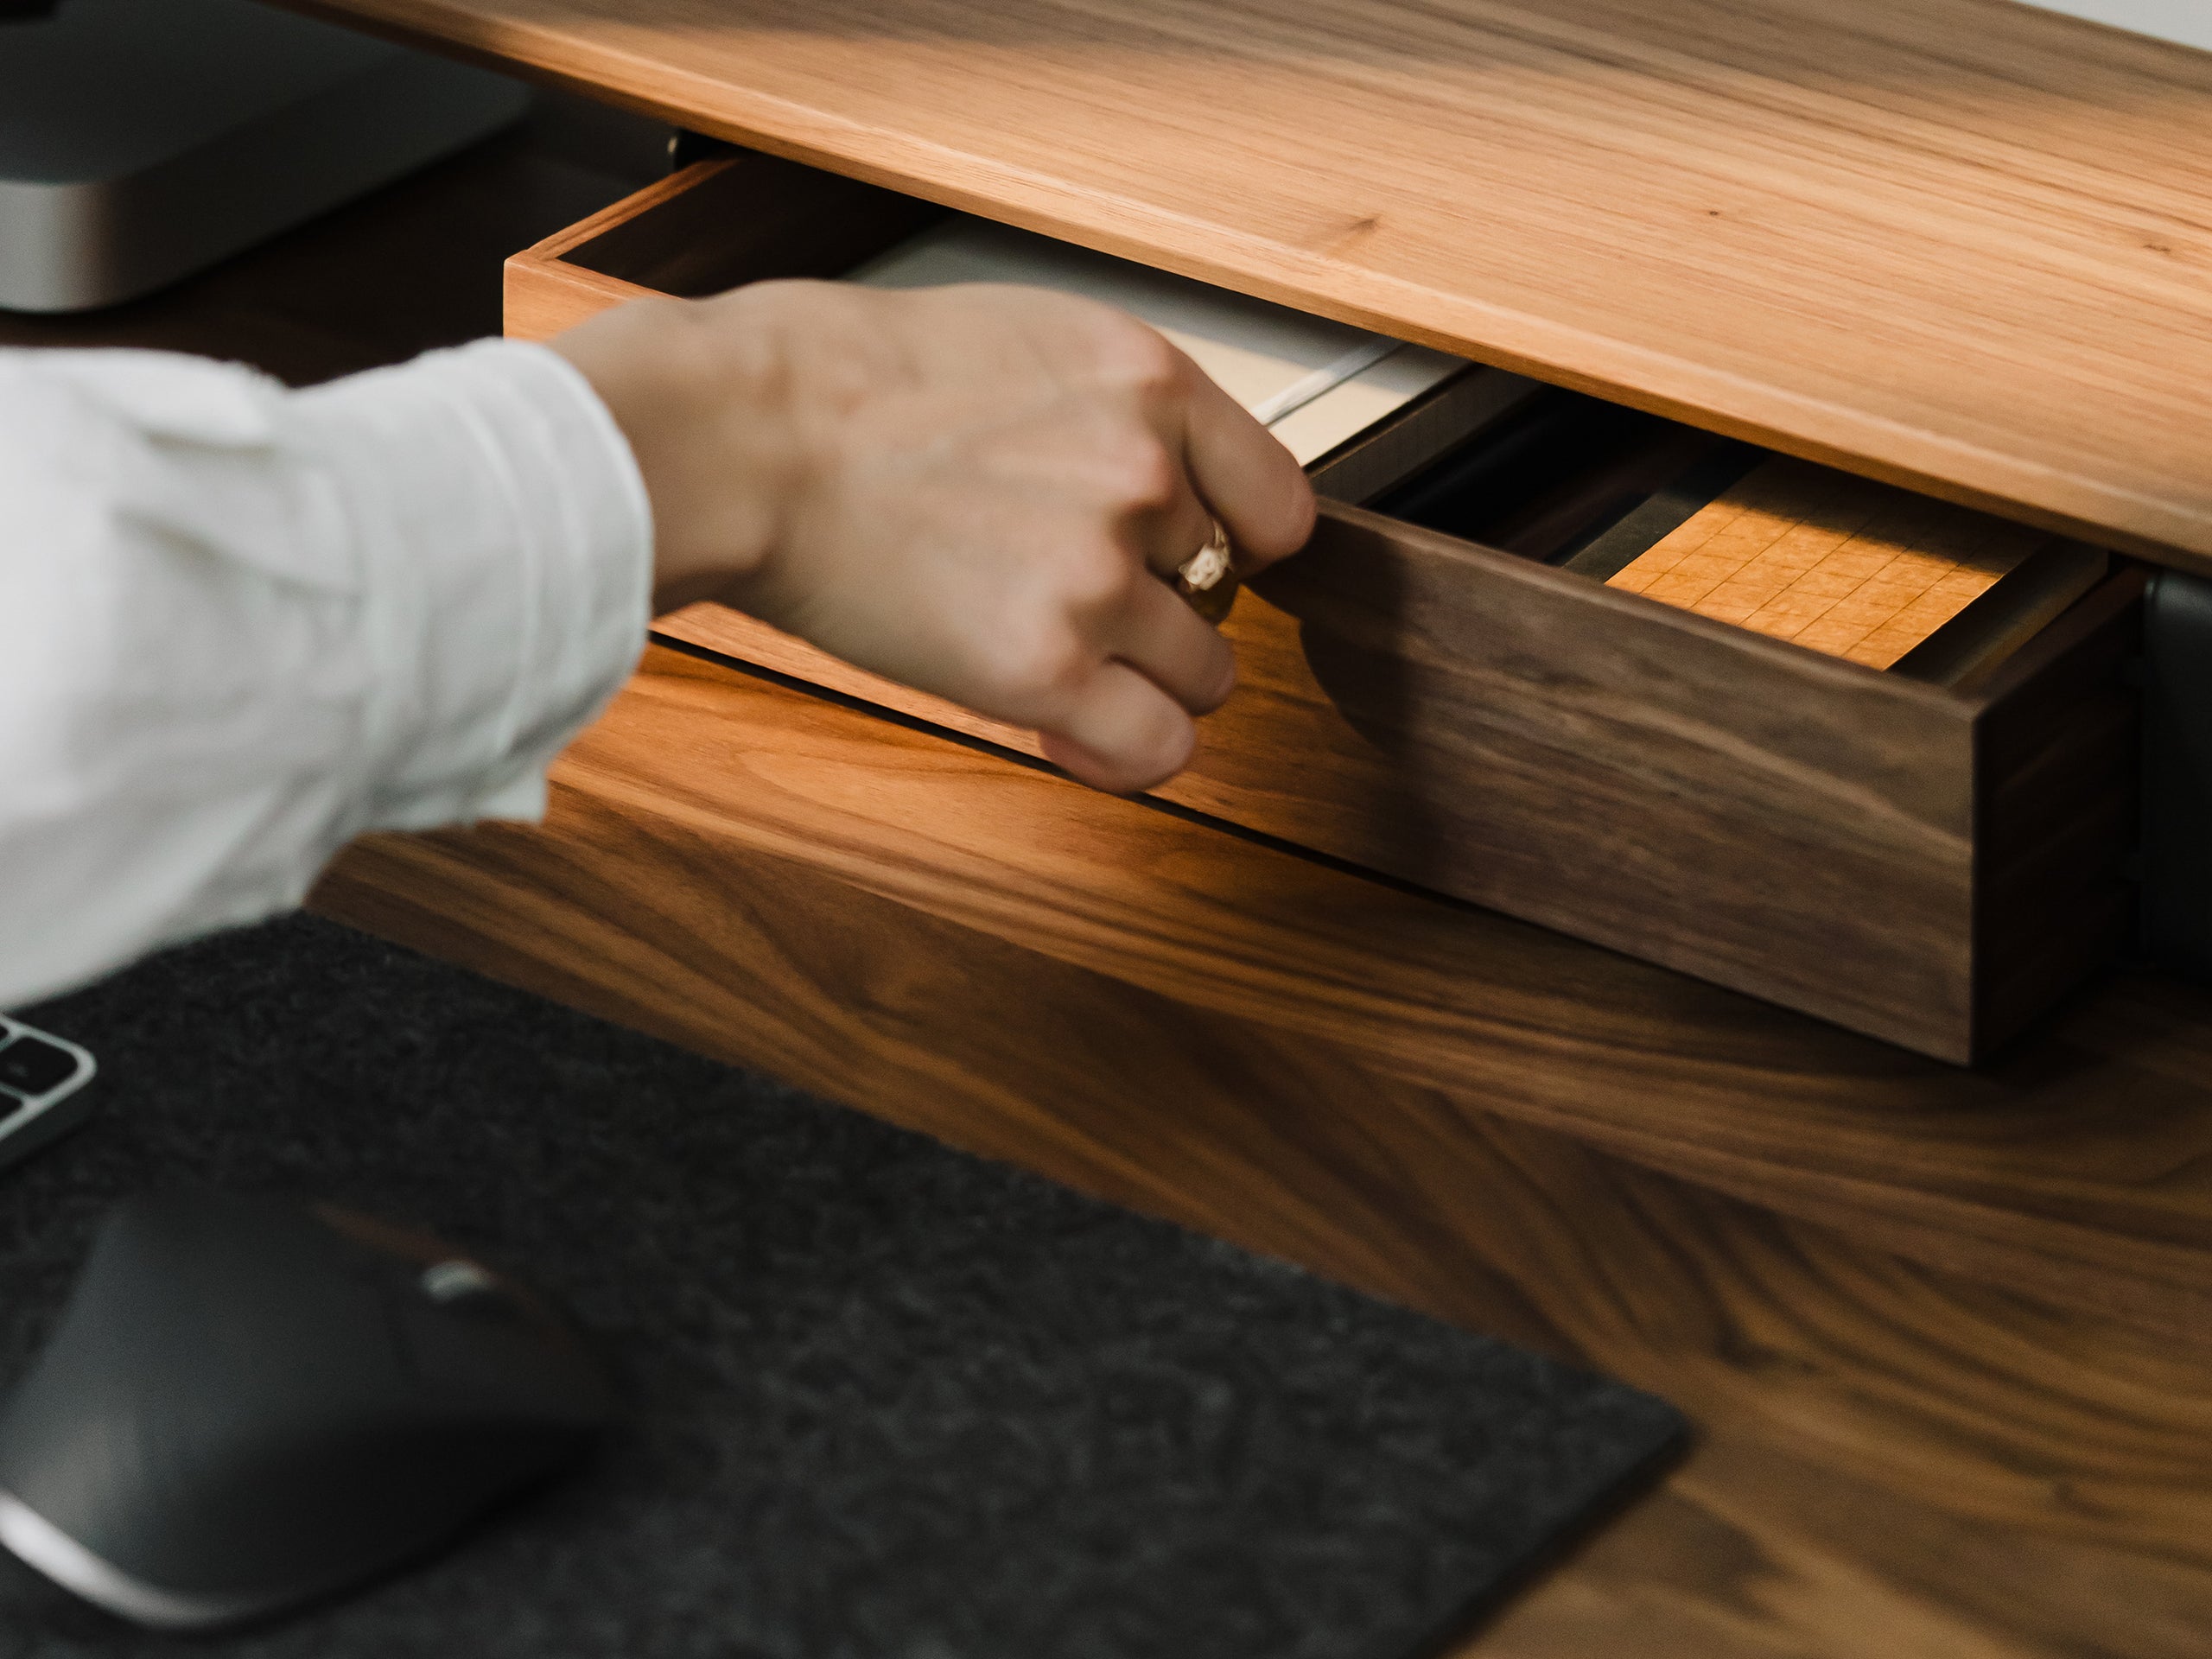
(1136, 357)
(1032, 669)
(1143, 476)
(1095, 573)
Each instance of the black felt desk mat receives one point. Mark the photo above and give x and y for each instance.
(890, 1402)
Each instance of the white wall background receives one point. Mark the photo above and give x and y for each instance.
(2188, 21)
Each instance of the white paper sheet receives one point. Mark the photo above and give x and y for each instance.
(1315, 382)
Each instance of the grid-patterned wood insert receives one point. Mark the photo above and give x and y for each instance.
(1853, 568)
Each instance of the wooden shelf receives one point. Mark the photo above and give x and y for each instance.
(1956, 244)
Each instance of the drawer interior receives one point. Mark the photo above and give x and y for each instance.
(1854, 569)
(750, 218)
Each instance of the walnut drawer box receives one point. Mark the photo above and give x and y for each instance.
(1931, 865)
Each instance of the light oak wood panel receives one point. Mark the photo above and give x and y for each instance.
(2080, 1171)
(557, 297)
(1895, 1461)
(1957, 245)
(1837, 564)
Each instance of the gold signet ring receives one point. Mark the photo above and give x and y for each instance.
(1205, 581)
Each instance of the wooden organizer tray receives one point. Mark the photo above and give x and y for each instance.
(1932, 855)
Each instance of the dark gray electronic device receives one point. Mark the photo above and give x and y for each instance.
(142, 140)
(41, 1082)
(252, 1402)
(2176, 902)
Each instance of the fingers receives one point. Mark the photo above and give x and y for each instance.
(1120, 733)
(1236, 471)
(1251, 482)
(1128, 726)
(1168, 643)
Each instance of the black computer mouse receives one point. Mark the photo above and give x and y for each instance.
(252, 1402)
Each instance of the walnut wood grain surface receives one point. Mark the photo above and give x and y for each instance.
(2081, 1170)
(1932, 1341)
(1957, 245)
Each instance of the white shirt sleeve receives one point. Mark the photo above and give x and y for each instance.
(240, 625)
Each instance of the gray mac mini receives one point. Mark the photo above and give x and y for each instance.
(143, 140)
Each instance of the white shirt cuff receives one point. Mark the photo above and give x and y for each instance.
(506, 541)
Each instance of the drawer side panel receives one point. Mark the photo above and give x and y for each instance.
(1756, 814)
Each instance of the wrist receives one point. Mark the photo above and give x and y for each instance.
(700, 396)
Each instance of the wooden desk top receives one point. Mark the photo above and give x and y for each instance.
(1959, 244)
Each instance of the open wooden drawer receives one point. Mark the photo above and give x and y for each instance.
(1931, 854)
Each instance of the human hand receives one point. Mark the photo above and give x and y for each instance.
(974, 490)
